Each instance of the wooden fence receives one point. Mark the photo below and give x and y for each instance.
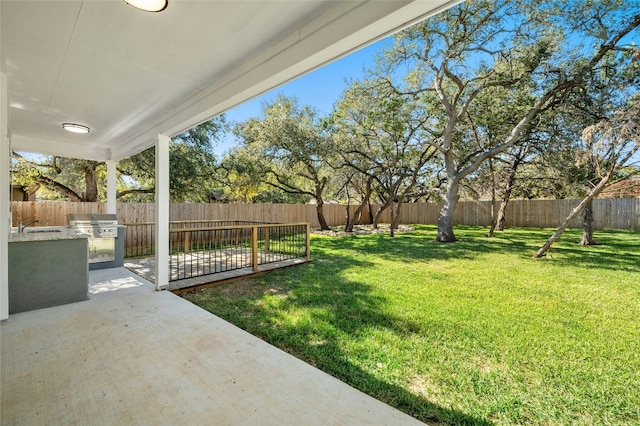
(610, 213)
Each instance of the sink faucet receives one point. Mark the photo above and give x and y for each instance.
(21, 226)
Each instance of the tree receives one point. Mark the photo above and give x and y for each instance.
(451, 59)
(363, 186)
(381, 136)
(289, 147)
(70, 179)
(541, 165)
(489, 120)
(192, 164)
(613, 142)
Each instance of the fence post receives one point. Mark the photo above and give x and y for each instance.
(254, 248)
(187, 235)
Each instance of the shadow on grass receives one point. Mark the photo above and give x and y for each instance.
(617, 250)
(406, 246)
(326, 307)
(599, 257)
(396, 396)
(307, 311)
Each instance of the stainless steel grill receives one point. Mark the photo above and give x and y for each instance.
(102, 230)
(95, 225)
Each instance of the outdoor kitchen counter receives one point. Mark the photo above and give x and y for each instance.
(47, 269)
(45, 233)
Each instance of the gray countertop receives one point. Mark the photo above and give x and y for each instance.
(45, 233)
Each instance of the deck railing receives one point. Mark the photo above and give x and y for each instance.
(140, 240)
(197, 249)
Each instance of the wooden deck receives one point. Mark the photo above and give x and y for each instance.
(134, 356)
(146, 268)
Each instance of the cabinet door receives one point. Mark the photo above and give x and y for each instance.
(101, 250)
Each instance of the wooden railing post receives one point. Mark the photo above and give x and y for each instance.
(254, 248)
(187, 235)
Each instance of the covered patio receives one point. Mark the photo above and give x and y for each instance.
(132, 355)
(125, 80)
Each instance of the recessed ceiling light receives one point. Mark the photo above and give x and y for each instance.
(149, 5)
(75, 128)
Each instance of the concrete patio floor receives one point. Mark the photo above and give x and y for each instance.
(132, 355)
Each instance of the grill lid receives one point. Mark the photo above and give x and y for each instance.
(95, 225)
(84, 219)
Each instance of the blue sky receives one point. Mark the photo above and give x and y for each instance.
(319, 89)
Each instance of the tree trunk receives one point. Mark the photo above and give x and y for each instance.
(445, 219)
(352, 219)
(501, 218)
(347, 214)
(381, 209)
(587, 225)
(395, 217)
(358, 213)
(369, 212)
(587, 213)
(506, 197)
(392, 221)
(574, 213)
(320, 212)
(319, 189)
(91, 184)
(492, 227)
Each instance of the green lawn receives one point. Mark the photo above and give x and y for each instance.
(473, 332)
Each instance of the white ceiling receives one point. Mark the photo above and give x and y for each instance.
(130, 75)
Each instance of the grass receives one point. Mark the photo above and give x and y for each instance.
(474, 332)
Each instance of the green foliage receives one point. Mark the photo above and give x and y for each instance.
(192, 171)
(286, 149)
(242, 176)
(433, 331)
(529, 56)
(287, 146)
(192, 163)
(382, 147)
(59, 178)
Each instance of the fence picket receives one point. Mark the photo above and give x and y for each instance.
(614, 213)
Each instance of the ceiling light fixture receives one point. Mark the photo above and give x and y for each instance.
(149, 5)
(75, 128)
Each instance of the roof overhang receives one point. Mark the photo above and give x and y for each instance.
(131, 75)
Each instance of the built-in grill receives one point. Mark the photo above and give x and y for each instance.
(102, 230)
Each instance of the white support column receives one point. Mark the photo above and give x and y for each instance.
(162, 212)
(111, 187)
(5, 199)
